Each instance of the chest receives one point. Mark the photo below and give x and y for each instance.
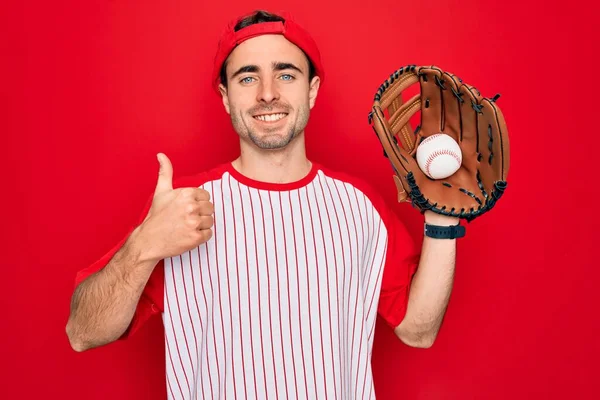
(280, 249)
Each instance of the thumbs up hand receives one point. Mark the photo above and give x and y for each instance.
(165, 175)
(178, 220)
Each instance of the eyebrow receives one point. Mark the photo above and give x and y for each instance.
(277, 66)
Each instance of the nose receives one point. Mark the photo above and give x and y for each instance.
(267, 91)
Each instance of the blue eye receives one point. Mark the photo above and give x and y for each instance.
(287, 77)
(246, 79)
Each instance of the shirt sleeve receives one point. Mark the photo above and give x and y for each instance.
(401, 262)
(151, 300)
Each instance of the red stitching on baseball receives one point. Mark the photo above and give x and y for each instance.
(439, 153)
(429, 138)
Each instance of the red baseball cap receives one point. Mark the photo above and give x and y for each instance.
(288, 28)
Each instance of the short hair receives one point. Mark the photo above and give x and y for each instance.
(258, 17)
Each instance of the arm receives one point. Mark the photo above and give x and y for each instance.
(430, 288)
(103, 305)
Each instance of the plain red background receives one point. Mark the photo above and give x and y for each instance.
(92, 90)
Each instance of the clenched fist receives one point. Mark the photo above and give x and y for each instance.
(178, 219)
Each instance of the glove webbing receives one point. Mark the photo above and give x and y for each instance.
(401, 113)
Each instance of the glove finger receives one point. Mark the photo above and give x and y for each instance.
(470, 96)
(469, 125)
(451, 122)
(431, 100)
(493, 145)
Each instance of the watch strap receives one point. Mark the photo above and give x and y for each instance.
(444, 232)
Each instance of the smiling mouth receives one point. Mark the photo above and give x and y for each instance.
(270, 117)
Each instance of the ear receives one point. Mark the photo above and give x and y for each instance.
(224, 97)
(313, 91)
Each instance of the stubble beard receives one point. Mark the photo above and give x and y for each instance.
(270, 139)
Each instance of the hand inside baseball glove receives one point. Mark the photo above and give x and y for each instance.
(451, 107)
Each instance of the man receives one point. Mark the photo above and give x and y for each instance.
(268, 271)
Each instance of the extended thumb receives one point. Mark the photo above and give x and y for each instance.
(165, 174)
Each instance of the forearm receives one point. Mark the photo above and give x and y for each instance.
(103, 305)
(430, 290)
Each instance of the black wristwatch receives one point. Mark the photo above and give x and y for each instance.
(444, 232)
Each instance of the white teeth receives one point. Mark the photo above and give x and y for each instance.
(270, 117)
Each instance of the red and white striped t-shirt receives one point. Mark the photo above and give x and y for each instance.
(281, 303)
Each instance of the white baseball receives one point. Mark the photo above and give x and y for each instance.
(439, 156)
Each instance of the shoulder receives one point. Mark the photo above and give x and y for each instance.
(201, 178)
(358, 184)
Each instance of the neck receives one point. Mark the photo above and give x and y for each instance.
(274, 166)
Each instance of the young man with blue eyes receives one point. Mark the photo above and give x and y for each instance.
(268, 271)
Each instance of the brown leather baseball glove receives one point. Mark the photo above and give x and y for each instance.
(448, 106)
